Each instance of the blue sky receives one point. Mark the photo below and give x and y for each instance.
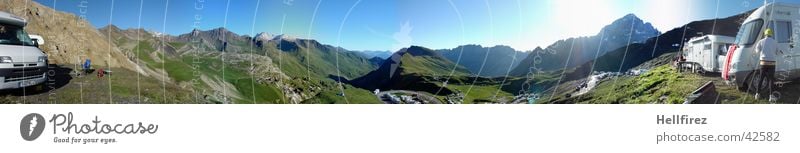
(391, 24)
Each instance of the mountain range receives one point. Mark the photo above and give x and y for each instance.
(572, 52)
(625, 58)
(239, 68)
(485, 61)
(378, 54)
(220, 66)
(408, 69)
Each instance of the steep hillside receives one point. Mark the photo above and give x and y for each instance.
(661, 85)
(219, 39)
(211, 75)
(407, 66)
(299, 68)
(376, 61)
(316, 69)
(69, 38)
(572, 52)
(489, 61)
(305, 58)
(422, 70)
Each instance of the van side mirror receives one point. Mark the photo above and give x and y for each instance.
(37, 40)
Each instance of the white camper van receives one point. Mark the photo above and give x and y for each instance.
(707, 53)
(22, 64)
(742, 59)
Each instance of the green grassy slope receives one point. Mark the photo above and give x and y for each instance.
(663, 84)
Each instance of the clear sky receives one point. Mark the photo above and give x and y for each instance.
(392, 24)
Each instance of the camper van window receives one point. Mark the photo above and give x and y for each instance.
(749, 33)
(783, 30)
(723, 49)
(707, 47)
(14, 35)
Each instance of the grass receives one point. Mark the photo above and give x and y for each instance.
(177, 45)
(179, 70)
(430, 65)
(258, 93)
(321, 62)
(246, 85)
(291, 65)
(143, 53)
(662, 81)
(481, 93)
(169, 93)
(241, 80)
(182, 70)
(352, 94)
(122, 86)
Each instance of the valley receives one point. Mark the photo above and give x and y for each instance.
(627, 61)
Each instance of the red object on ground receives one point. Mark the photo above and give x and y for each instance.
(100, 73)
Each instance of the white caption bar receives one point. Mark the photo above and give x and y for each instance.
(397, 128)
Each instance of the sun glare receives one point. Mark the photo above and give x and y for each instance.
(580, 17)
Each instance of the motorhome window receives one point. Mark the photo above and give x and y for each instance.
(783, 30)
(707, 47)
(749, 33)
(723, 49)
(14, 35)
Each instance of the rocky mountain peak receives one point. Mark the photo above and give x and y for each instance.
(263, 36)
(284, 37)
(621, 28)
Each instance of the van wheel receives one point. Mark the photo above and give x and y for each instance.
(752, 82)
(743, 87)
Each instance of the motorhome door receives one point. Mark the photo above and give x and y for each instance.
(786, 61)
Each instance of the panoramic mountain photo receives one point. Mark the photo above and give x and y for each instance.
(394, 52)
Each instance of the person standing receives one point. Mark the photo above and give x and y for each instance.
(767, 48)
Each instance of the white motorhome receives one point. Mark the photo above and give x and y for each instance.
(22, 64)
(708, 52)
(742, 60)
